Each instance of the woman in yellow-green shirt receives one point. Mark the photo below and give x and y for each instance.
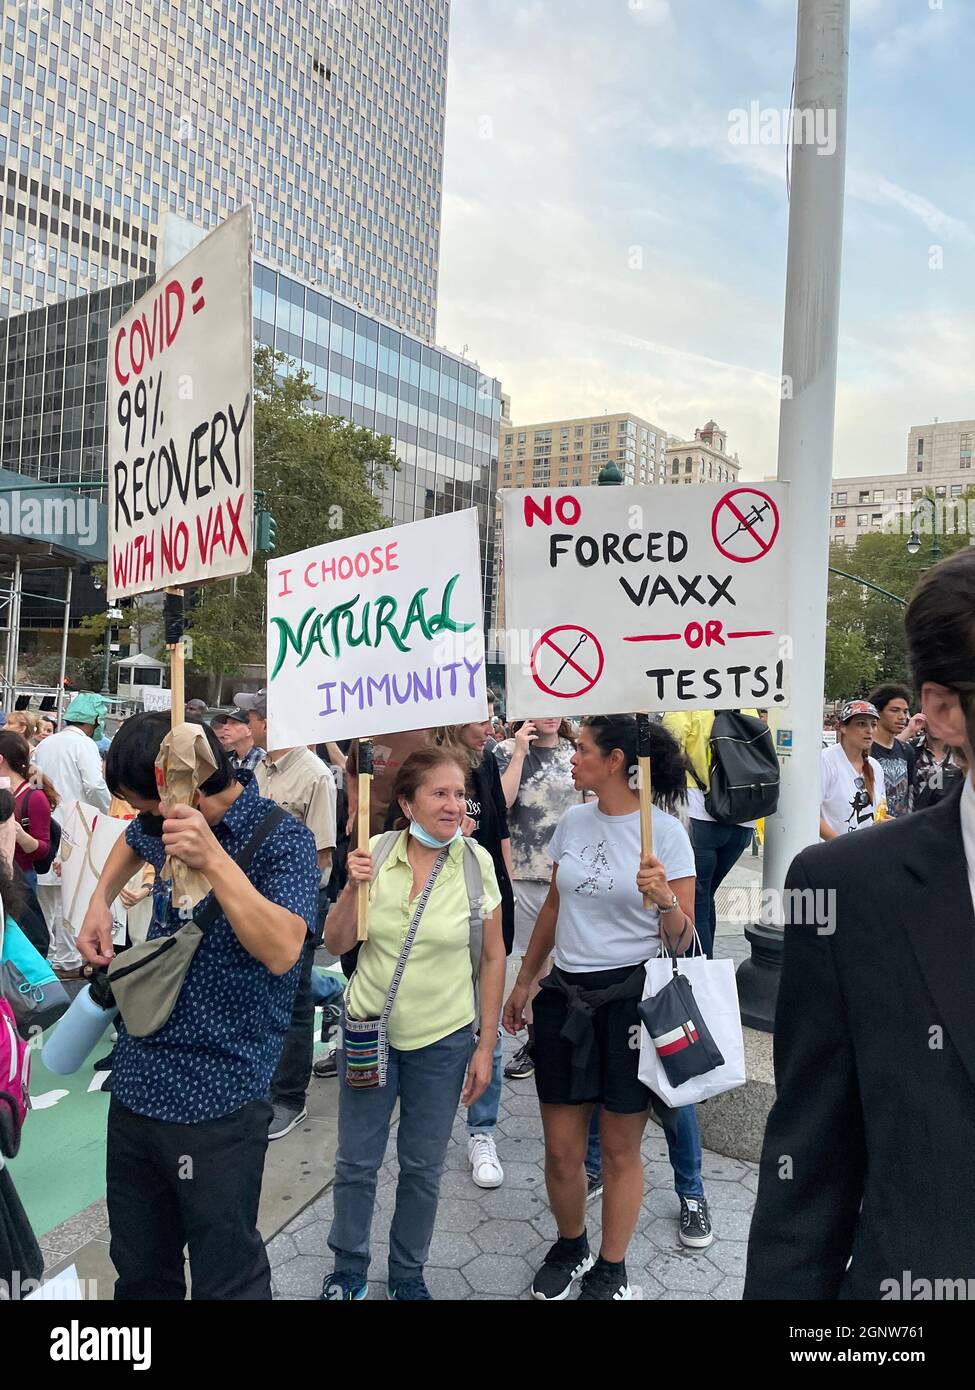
(434, 1061)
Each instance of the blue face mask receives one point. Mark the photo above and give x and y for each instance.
(431, 841)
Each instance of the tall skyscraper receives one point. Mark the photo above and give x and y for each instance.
(327, 116)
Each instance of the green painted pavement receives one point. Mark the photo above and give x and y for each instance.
(60, 1169)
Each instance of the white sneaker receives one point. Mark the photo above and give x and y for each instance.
(482, 1155)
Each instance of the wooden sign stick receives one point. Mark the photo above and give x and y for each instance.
(173, 621)
(646, 798)
(364, 786)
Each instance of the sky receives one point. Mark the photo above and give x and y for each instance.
(606, 246)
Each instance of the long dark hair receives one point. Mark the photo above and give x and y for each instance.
(11, 884)
(668, 766)
(16, 751)
(413, 771)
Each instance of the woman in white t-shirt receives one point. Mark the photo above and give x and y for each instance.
(587, 1045)
(853, 782)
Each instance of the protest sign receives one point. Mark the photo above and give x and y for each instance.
(645, 598)
(155, 698)
(377, 633)
(180, 422)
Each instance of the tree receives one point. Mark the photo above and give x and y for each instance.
(865, 631)
(318, 473)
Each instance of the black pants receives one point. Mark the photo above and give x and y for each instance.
(171, 1186)
(289, 1085)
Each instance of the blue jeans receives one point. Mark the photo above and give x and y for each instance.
(683, 1143)
(427, 1083)
(717, 848)
(325, 989)
(482, 1116)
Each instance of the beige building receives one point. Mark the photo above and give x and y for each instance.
(571, 453)
(939, 460)
(703, 459)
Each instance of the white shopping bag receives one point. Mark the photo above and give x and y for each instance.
(716, 996)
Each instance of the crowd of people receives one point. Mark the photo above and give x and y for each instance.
(486, 842)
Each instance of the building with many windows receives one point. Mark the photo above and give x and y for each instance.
(703, 459)
(328, 118)
(442, 414)
(571, 453)
(939, 462)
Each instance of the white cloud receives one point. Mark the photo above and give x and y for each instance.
(652, 12)
(881, 191)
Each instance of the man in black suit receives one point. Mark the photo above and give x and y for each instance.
(866, 1188)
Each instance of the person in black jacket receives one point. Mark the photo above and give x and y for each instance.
(487, 823)
(865, 1183)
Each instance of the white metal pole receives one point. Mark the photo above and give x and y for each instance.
(808, 407)
(805, 461)
(64, 644)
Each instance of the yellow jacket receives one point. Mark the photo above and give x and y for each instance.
(692, 730)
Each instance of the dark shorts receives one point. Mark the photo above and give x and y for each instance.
(617, 1029)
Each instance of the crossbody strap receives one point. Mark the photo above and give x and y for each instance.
(411, 936)
(270, 822)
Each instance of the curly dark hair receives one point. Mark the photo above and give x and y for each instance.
(667, 762)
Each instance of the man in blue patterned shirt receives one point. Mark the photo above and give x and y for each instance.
(187, 1126)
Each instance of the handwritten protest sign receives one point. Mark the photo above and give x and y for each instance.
(180, 422)
(377, 633)
(646, 598)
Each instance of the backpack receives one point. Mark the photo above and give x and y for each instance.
(43, 864)
(744, 770)
(14, 1082)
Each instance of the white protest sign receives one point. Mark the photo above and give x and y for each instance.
(377, 634)
(645, 598)
(181, 422)
(155, 698)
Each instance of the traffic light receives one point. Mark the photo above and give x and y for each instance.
(266, 532)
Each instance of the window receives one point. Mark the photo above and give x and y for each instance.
(902, 494)
(956, 489)
(940, 491)
(675, 467)
(841, 499)
(688, 465)
(840, 521)
(964, 463)
(878, 494)
(862, 518)
(916, 492)
(920, 446)
(521, 439)
(579, 429)
(509, 439)
(864, 496)
(920, 465)
(877, 521)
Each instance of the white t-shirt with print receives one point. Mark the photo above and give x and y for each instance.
(846, 806)
(602, 921)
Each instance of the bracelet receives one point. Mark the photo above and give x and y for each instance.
(673, 906)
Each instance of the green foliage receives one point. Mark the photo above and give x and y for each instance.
(865, 631)
(317, 473)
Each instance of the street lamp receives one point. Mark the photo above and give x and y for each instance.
(914, 540)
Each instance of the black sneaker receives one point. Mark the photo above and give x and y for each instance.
(521, 1066)
(695, 1223)
(331, 1018)
(604, 1283)
(564, 1263)
(594, 1185)
(326, 1066)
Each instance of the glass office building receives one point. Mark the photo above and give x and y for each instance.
(328, 117)
(441, 413)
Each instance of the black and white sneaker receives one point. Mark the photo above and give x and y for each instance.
(521, 1066)
(594, 1185)
(695, 1223)
(608, 1284)
(564, 1263)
